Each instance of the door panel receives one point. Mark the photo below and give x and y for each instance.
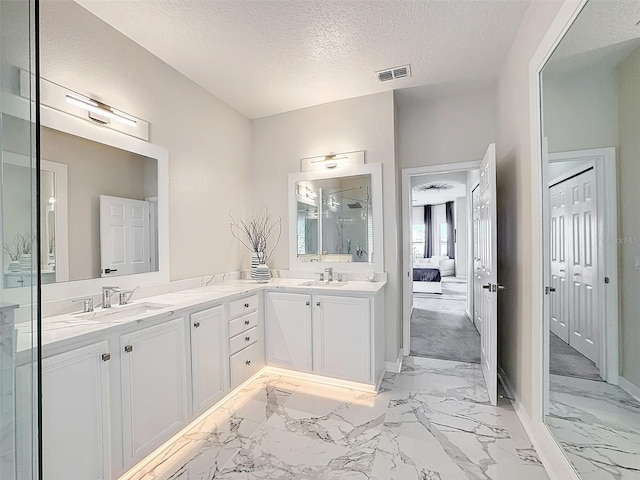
(124, 236)
(288, 330)
(559, 324)
(486, 267)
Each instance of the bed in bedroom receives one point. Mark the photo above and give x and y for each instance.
(427, 279)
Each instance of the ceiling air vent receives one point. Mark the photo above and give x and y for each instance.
(394, 73)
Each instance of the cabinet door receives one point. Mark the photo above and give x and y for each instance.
(288, 330)
(75, 415)
(153, 387)
(342, 337)
(208, 354)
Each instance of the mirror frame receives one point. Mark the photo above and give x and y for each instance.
(373, 169)
(66, 123)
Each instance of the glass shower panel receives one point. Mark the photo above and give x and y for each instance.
(19, 325)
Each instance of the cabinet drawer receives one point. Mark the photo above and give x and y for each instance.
(242, 340)
(244, 364)
(242, 324)
(243, 305)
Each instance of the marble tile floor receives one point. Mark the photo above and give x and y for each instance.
(598, 426)
(430, 421)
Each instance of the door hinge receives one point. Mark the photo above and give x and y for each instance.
(607, 280)
(548, 290)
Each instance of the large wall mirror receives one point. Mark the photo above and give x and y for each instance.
(335, 218)
(591, 168)
(103, 208)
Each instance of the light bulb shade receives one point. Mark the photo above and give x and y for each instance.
(102, 109)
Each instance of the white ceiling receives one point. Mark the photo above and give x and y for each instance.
(268, 57)
(604, 34)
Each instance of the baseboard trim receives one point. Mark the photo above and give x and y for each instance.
(550, 453)
(396, 366)
(629, 387)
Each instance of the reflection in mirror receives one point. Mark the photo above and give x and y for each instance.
(591, 120)
(334, 219)
(79, 239)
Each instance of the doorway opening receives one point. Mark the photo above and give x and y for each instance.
(441, 323)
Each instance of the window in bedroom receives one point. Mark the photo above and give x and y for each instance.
(442, 240)
(417, 240)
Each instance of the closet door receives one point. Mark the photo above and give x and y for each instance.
(584, 331)
(559, 324)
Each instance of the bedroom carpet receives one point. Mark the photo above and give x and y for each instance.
(567, 361)
(440, 327)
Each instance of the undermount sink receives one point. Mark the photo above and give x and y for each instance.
(316, 283)
(122, 312)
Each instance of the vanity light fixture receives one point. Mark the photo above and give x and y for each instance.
(331, 161)
(101, 109)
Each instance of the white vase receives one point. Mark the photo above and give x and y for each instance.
(25, 262)
(255, 261)
(14, 266)
(263, 273)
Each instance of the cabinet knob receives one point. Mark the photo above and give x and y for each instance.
(246, 322)
(308, 303)
(248, 362)
(246, 305)
(128, 348)
(106, 357)
(246, 339)
(196, 324)
(318, 304)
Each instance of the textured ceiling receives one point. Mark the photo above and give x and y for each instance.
(271, 56)
(604, 33)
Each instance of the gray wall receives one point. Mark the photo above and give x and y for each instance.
(363, 123)
(629, 220)
(209, 143)
(515, 267)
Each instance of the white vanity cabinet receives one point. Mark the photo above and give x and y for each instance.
(336, 336)
(208, 357)
(342, 337)
(154, 387)
(288, 330)
(246, 344)
(75, 414)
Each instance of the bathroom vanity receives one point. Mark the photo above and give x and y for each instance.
(120, 382)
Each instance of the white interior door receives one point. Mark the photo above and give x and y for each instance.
(124, 236)
(559, 301)
(476, 285)
(583, 307)
(486, 271)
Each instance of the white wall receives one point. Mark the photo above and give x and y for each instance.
(629, 220)
(209, 143)
(363, 123)
(438, 126)
(461, 237)
(516, 325)
(580, 109)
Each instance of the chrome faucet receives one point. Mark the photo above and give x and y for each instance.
(329, 272)
(125, 296)
(87, 304)
(106, 295)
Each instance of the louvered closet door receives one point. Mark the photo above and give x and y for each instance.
(560, 299)
(583, 326)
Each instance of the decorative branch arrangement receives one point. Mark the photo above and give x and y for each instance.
(22, 245)
(255, 233)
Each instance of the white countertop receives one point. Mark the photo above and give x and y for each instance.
(67, 328)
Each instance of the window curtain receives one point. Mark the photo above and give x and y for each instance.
(451, 247)
(428, 232)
